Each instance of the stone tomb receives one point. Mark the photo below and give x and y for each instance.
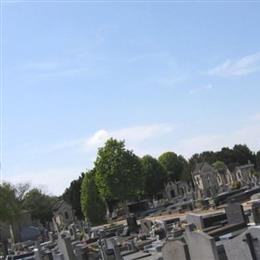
(175, 250)
(201, 246)
(256, 212)
(246, 246)
(146, 226)
(235, 213)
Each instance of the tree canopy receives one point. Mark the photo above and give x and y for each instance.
(39, 205)
(118, 172)
(72, 195)
(92, 204)
(172, 165)
(155, 176)
(10, 205)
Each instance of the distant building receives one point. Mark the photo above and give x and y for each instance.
(178, 189)
(210, 181)
(63, 213)
(205, 180)
(224, 178)
(244, 174)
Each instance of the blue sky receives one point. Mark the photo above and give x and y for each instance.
(173, 76)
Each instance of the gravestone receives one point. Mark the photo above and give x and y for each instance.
(201, 246)
(235, 213)
(146, 226)
(132, 223)
(65, 248)
(195, 219)
(246, 246)
(175, 250)
(110, 250)
(256, 212)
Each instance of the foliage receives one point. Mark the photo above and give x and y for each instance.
(10, 206)
(118, 172)
(219, 166)
(185, 169)
(172, 164)
(92, 205)
(258, 160)
(238, 155)
(39, 205)
(154, 176)
(72, 196)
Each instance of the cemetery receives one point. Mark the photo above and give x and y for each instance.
(229, 232)
(205, 217)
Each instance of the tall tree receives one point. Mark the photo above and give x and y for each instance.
(72, 196)
(258, 160)
(172, 165)
(243, 154)
(39, 205)
(92, 205)
(118, 172)
(155, 176)
(10, 206)
(185, 169)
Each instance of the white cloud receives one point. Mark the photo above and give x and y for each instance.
(132, 135)
(53, 181)
(256, 117)
(241, 67)
(200, 89)
(249, 135)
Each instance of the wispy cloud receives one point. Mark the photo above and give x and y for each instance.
(133, 135)
(53, 180)
(244, 66)
(248, 134)
(200, 89)
(256, 117)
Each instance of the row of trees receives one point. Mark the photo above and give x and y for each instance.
(14, 200)
(119, 176)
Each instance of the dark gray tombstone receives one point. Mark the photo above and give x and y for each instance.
(256, 212)
(245, 246)
(201, 246)
(132, 223)
(175, 250)
(235, 213)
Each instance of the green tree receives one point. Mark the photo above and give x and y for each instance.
(154, 176)
(185, 169)
(172, 165)
(219, 166)
(243, 154)
(92, 204)
(72, 196)
(118, 172)
(258, 160)
(10, 206)
(39, 205)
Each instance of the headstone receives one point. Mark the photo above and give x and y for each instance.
(146, 226)
(65, 248)
(235, 213)
(245, 246)
(175, 250)
(256, 212)
(110, 250)
(125, 232)
(201, 246)
(195, 219)
(132, 223)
